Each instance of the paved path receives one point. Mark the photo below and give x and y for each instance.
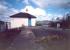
(24, 43)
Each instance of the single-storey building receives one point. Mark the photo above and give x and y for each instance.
(20, 19)
(3, 26)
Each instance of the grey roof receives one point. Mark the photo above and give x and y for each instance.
(22, 15)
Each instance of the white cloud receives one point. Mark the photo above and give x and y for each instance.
(40, 3)
(13, 11)
(38, 12)
(45, 3)
(26, 2)
(34, 11)
(54, 16)
(5, 12)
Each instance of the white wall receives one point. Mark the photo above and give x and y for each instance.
(33, 21)
(18, 22)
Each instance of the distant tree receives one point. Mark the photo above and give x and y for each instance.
(66, 21)
(57, 18)
(38, 24)
(52, 19)
(68, 17)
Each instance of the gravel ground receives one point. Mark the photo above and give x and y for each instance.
(25, 39)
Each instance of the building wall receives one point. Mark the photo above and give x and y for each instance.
(3, 27)
(18, 22)
(33, 20)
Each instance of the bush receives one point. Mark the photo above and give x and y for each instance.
(38, 24)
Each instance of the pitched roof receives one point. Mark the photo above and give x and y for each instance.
(22, 15)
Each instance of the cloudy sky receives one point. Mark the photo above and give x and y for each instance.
(42, 9)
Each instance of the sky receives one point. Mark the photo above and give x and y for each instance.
(42, 9)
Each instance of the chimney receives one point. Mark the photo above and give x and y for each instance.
(26, 10)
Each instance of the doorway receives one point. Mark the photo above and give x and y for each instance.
(29, 21)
